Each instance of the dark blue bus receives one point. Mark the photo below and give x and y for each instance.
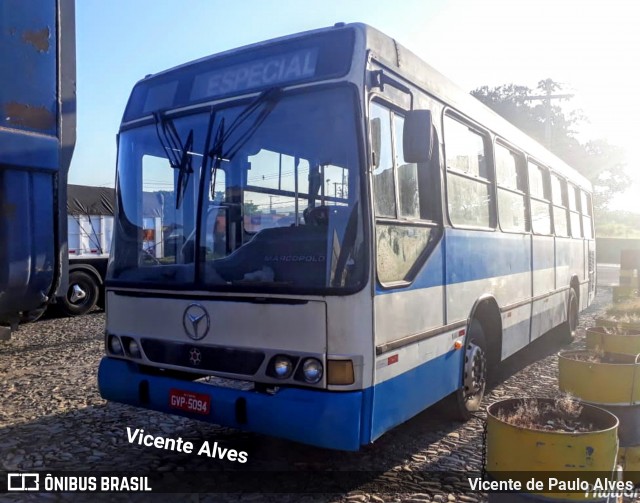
(37, 137)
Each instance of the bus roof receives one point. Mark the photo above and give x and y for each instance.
(390, 52)
(338, 45)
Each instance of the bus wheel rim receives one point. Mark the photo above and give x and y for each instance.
(77, 294)
(474, 372)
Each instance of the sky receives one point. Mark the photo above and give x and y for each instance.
(590, 46)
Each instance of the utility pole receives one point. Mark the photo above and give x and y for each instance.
(547, 97)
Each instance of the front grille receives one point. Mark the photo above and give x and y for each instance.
(217, 359)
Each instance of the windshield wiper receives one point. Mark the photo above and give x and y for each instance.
(269, 99)
(178, 154)
(215, 153)
(213, 147)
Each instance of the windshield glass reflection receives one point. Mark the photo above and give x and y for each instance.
(265, 195)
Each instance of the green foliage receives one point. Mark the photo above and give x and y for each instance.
(597, 160)
(617, 224)
(604, 165)
(250, 208)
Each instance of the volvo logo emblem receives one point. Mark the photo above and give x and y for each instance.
(196, 321)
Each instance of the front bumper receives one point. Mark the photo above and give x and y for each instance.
(316, 417)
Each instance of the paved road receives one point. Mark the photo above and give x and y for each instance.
(53, 419)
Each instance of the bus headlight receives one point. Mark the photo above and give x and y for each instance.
(115, 346)
(312, 370)
(134, 349)
(282, 366)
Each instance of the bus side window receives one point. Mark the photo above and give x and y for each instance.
(407, 176)
(559, 199)
(400, 238)
(384, 196)
(469, 189)
(540, 199)
(574, 211)
(511, 181)
(391, 173)
(587, 214)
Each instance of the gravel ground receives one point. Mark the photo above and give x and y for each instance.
(52, 418)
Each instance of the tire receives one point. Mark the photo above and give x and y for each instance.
(34, 315)
(465, 402)
(102, 299)
(569, 327)
(82, 294)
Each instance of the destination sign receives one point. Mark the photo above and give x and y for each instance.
(307, 58)
(289, 67)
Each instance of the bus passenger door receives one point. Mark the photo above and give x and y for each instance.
(414, 365)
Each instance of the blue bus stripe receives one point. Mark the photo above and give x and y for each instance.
(323, 418)
(473, 255)
(467, 255)
(400, 398)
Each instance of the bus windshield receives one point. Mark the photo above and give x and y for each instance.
(259, 195)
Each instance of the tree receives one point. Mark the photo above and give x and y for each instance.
(599, 161)
(604, 164)
(618, 224)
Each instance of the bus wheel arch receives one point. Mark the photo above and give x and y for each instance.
(474, 369)
(575, 286)
(482, 346)
(487, 313)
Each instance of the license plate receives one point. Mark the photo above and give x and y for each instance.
(189, 401)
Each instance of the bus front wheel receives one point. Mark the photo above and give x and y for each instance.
(465, 402)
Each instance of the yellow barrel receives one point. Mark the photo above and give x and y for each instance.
(600, 383)
(613, 386)
(514, 451)
(609, 323)
(629, 343)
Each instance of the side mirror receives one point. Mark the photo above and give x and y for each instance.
(418, 136)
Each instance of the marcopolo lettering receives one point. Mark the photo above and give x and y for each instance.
(269, 71)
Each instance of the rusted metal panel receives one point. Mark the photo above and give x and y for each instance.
(21, 115)
(37, 137)
(38, 39)
(28, 53)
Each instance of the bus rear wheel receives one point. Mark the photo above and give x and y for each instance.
(570, 326)
(465, 402)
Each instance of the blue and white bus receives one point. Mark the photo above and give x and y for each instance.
(347, 239)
